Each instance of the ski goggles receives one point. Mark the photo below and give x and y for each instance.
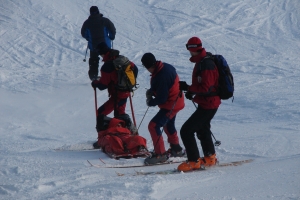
(188, 46)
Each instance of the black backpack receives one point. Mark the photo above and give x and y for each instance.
(126, 76)
(226, 85)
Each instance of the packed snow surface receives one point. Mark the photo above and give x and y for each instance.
(47, 102)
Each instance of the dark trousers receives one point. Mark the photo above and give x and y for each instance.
(199, 122)
(93, 65)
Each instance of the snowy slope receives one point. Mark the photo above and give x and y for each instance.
(47, 101)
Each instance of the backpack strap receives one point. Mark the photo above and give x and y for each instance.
(206, 64)
(204, 61)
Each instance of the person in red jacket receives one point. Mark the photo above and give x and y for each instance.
(164, 93)
(108, 80)
(204, 81)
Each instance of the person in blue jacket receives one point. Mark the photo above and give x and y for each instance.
(164, 92)
(97, 29)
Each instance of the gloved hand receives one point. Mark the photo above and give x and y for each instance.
(94, 83)
(148, 101)
(189, 95)
(149, 94)
(94, 78)
(183, 86)
(112, 37)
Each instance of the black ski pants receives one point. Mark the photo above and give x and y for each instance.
(93, 65)
(199, 122)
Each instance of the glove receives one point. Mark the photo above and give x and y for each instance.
(112, 37)
(189, 95)
(183, 86)
(95, 78)
(149, 94)
(148, 101)
(94, 83)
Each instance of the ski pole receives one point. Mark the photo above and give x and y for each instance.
(143, 118)
(217, 142)
(96, 107)
(132, 113)
(86, 52)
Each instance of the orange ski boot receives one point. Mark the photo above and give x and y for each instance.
(210, 160)
(190, 165)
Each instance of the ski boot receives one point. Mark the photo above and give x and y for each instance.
(154, 159)
(175, 151)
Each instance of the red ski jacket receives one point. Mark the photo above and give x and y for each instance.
(204, 80)
(165, 86)
(109, 76)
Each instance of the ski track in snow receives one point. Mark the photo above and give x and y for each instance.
(47, 101)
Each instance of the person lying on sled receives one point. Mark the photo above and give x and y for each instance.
(118, 139)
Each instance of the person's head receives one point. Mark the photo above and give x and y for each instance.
(102, 49)
(194, 45)
(94, 10)
(149, 61)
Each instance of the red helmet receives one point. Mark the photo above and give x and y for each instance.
(194, 44)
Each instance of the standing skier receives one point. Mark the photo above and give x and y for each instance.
(108, 80)
(97, 29)
(204, 80)
(164, 93)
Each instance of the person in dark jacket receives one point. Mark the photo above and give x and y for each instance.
(204, 80)
(164, 93)
(97, 29)
(108, 80)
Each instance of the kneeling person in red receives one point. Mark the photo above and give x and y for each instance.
(116, 139)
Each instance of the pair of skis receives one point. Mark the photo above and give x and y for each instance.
(168, 171)
(144, 154)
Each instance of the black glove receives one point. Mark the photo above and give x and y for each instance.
(94, 78)
(148, 101)
(183, 86)
(189, 95)
(112, 37)
(94, 83)
(149, 94)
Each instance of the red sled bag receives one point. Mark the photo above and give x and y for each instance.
(118, 140)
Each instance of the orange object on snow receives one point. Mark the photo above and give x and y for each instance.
(117, 139)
